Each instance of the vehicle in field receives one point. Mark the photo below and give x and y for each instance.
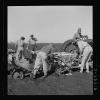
(18, 69)
(58, 61)
(70, 46)
(65, 60)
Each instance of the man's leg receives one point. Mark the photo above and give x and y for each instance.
(37, 64)
(82, 64)
(17, 53)
(44, 58)
(83, 61)
(45, 69)
(87, 63)
(21, 55)
(87, 67)
(85, 57)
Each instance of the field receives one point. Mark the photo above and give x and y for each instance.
(57, 46)
(76, 84)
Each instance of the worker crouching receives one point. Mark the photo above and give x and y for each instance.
(42, 59)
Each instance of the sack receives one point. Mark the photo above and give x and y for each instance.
(23, 63)
(27, 54)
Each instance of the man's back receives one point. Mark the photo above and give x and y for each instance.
(47, 49)
(82, 44)
(32, 41)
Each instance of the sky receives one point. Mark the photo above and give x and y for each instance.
(49, 24)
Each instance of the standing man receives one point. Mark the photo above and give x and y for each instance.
(86, 53)
(42, 59)
(19, 48)
(32, 43)
(78, 34)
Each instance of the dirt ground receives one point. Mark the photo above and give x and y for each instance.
(76, 84)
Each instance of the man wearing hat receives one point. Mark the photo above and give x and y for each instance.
(85, 52)
(78, 34)
(32, 43)
(19, 47)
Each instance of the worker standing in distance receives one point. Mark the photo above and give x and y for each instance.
(32, 43)
(19, 48)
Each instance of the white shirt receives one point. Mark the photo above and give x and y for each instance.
(82, 44)
(9, 58)
(20, 43)
(32, 41)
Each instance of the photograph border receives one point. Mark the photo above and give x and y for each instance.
(4, 12)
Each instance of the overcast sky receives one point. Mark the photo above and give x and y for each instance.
(49, 23)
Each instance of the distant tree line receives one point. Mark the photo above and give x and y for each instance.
(57, 46)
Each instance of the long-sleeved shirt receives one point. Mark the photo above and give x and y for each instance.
(82, 44)
(20, 44)
(32, 44)
(32, 41)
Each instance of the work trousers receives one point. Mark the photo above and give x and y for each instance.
(19, 53)
(41, 60)
(87, 53)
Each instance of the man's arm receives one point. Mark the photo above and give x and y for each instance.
(35, 39)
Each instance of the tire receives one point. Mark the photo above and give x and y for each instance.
(16, 75)
(58, 71)
(12, 71)
(31, 76)
(71, 48)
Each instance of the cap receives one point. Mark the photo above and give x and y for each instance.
(23, 38)
(31, 35)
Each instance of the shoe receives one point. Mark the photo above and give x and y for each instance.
(34, 77)
(79, 65)
(43, 77)
(87, 72)
(81, 71)
(68, 74)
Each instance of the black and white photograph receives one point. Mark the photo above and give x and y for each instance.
(50, 50)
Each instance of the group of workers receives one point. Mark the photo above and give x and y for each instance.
(20, 46)
(85, 52)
